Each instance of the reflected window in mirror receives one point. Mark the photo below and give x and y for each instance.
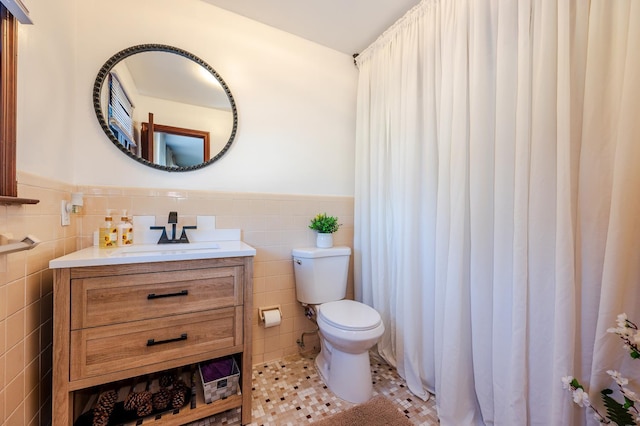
(120, 114)
(165, 107)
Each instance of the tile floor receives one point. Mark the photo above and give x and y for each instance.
(290, 392)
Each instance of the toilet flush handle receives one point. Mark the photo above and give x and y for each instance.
(299, 262)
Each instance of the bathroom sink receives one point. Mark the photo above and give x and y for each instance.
(164, 249)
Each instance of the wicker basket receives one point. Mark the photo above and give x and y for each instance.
(220, 378)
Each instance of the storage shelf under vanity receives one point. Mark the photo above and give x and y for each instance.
(194, 408)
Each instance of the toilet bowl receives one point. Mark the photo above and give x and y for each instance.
(348, 329)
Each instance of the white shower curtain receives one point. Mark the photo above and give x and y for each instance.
(498, 201)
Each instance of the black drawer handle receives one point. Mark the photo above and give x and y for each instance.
(152, 342)
(160, 296)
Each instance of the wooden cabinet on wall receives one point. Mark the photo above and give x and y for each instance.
(119, 322)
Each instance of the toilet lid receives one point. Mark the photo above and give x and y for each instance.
(350, 315)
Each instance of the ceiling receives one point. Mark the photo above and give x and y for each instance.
(173, 77)
(348, 26)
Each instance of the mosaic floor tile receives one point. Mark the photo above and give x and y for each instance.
(290, 392)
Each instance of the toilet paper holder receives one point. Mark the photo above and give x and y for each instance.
(262, 310)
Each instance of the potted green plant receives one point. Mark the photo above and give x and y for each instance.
(325, 226)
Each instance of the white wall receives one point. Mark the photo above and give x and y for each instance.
(47, 91)
(295, 99)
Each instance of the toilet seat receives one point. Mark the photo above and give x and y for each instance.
(349, 315)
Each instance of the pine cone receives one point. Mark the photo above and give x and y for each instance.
(100, 418)
(179, 396)
(131, 401)
(145, 407)
(167, 380)
(145, 410)
(104, 407)
(161, 399)
(107, 400)
(135, 400)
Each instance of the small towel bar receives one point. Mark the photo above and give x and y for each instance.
(10, 246)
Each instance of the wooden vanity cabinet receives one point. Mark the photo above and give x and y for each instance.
(118, 322)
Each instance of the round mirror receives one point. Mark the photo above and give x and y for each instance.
(165, 107)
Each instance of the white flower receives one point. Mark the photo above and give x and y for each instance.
(581, 398)
(622, 320)
(615, 375)
(566, 382)
(630, 335)
(626, 332)
(629, 394)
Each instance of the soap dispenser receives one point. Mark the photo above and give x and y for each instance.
(108, 234)
(125, 230)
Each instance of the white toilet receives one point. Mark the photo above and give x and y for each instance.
(348, 329)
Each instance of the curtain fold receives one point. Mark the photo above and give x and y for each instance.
(497, 208)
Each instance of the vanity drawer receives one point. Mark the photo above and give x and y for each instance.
(103, 350)
(100, 301)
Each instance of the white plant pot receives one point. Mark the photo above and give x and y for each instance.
(324, 240)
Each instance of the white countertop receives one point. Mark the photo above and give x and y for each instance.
(143, 253)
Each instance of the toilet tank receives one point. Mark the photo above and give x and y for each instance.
(321, 274)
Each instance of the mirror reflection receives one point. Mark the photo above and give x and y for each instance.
(165, 107)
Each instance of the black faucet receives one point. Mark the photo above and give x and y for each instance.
(173, 220)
